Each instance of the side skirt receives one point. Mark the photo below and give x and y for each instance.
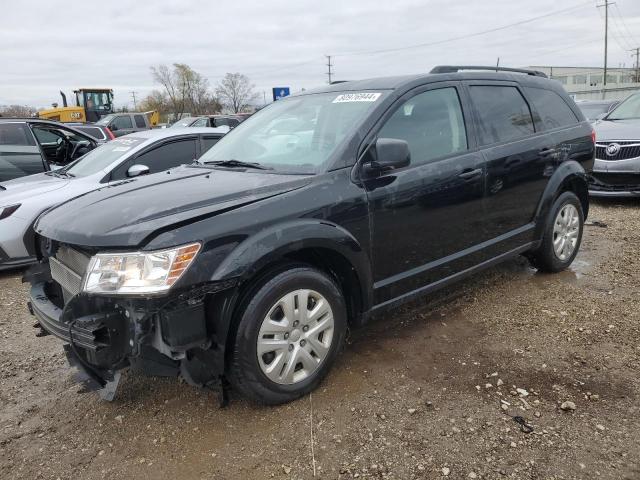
(394, 302)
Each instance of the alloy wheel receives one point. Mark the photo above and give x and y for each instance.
(566, 229)
(295, 336)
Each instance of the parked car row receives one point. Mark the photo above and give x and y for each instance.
(322, 210)
(150, 151)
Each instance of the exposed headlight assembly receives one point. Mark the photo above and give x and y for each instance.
(8, 211)
(138, 272)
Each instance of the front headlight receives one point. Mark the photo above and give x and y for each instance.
(138, 272)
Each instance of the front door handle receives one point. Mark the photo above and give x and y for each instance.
(469, 174)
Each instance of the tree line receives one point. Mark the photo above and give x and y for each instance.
(185, 91)
(181, 91)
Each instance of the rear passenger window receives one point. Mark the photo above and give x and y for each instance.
(504, 113)
(123, 122)
(551, 107)
(15, 134)
(431, 123)
(140, 123)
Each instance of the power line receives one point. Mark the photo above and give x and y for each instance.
(633, 38)
(462, 37)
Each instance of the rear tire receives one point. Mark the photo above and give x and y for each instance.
(289, 334)
(562, 235)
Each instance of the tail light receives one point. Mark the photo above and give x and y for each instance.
(112, 136)
(593, 135)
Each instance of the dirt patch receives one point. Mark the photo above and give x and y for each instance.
(429, 389)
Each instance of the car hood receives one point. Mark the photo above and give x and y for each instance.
(15, 191)
(610, 130)
(126, 214)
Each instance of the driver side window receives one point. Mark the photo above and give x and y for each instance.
(431, 123)
(45, 136)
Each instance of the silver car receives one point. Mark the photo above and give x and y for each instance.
(23, 199)
(616, 171)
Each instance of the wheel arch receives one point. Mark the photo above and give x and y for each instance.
(310, 242)
(570, 176)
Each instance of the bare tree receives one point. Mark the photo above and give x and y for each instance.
(17, 111)
(156, 100)
(235, 91)
(184, 89)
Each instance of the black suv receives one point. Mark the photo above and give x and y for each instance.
(315, 213)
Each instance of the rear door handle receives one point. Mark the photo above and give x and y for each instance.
(547, 151)
(469, 174)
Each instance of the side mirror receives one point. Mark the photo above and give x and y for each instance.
(137, 170)
(391, 153)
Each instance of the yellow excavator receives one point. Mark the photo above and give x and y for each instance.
(91, 105)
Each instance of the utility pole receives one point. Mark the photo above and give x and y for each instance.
(133, 95)
(637, 55)
(606, 39)
(329, 65)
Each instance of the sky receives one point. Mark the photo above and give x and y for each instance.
(49, 46)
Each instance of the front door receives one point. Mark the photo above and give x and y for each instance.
(427, 216)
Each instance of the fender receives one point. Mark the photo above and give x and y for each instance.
(274, 243)
(567, 173)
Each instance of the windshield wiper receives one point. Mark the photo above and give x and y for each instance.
(237, 163)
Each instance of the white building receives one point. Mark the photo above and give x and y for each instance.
(587, 83)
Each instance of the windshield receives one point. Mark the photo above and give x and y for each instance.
(101, 157)
(591, 111)
(630, 108)
(105, 120)
(185, 122)
(296, 134)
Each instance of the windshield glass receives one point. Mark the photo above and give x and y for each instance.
(630, 108)
(591, 111)
(296, 134)
(101, 157)
(185, 122)
(105, 120)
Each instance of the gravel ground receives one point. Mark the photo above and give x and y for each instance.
(428, 391)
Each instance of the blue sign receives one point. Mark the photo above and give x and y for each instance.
(280, 92)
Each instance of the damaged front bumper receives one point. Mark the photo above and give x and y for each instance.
(164, 336)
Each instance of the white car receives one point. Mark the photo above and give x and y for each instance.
(23, 199)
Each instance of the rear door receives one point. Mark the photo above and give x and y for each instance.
(19, 154)
(517, 153)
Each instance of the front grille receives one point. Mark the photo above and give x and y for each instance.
(68, 267)
(627, 150)
(69, 280)
(73, 259)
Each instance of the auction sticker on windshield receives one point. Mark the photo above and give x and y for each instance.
(357, 97)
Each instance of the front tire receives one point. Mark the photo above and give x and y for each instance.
(562, 235)
(288, 336)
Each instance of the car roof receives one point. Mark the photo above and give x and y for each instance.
(158, 133)
(403, 82)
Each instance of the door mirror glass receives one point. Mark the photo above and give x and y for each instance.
(391, 153)
(137, 170)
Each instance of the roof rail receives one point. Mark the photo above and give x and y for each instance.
(457, 68)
